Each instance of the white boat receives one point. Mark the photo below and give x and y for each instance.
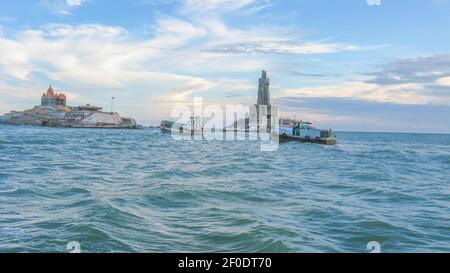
(306, 132)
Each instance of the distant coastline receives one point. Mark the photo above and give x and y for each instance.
(262, 118)
(53, 112)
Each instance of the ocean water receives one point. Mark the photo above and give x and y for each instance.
(142, 191)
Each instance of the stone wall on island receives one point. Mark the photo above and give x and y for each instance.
(53, 112)
(56, 116)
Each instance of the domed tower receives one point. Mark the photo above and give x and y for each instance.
(50, 98)
(61, 100)
(50, 92)
(46, 98)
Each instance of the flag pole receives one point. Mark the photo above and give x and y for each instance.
(112, 104)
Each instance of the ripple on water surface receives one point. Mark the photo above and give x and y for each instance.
(137, 191)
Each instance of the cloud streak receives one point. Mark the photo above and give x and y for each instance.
(347, 114)
(61, 7)
(108, 56)
(422, 80)
(194, 48)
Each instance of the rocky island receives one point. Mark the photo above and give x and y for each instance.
(54, 112)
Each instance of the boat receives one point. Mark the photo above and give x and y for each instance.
(306, 132)
(289, 129)
(194, 128)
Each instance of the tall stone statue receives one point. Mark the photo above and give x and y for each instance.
(263, 90)
(263, 106)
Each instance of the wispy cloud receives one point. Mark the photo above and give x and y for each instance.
(374, 2)
(285, 47)
(188, 53)
(61, 7)
(445, 81)
(407, 93)
(362, 115)
(96, 57)
(75, 2)
(423, 80)
(419, 70)
(202, 6)
(103, 55)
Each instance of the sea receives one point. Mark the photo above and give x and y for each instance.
(103, 190)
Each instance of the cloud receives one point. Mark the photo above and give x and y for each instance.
(284, 47)
(263, 40)
(61, 7)
(95, 54)
(203, 6)
(307, 75)
(409, 81)
(75, 2)
(101, 55)
(419, 70)
(407, 93)
(373, 2)
(207, 16)
(96, 57)
(89, 60)
(174, 28)
(207, 7)
(355, 114)
(444, 81)
(188, 54)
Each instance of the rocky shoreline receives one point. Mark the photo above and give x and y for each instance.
(53, 112)
(62, 116)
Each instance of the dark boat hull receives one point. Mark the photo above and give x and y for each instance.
(323, 141)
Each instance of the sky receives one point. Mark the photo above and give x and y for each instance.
(357, 65)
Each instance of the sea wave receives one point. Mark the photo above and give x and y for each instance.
(142, 191)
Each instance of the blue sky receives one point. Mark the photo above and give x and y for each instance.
(350, 65)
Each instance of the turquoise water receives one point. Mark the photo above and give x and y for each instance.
(141, 191)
